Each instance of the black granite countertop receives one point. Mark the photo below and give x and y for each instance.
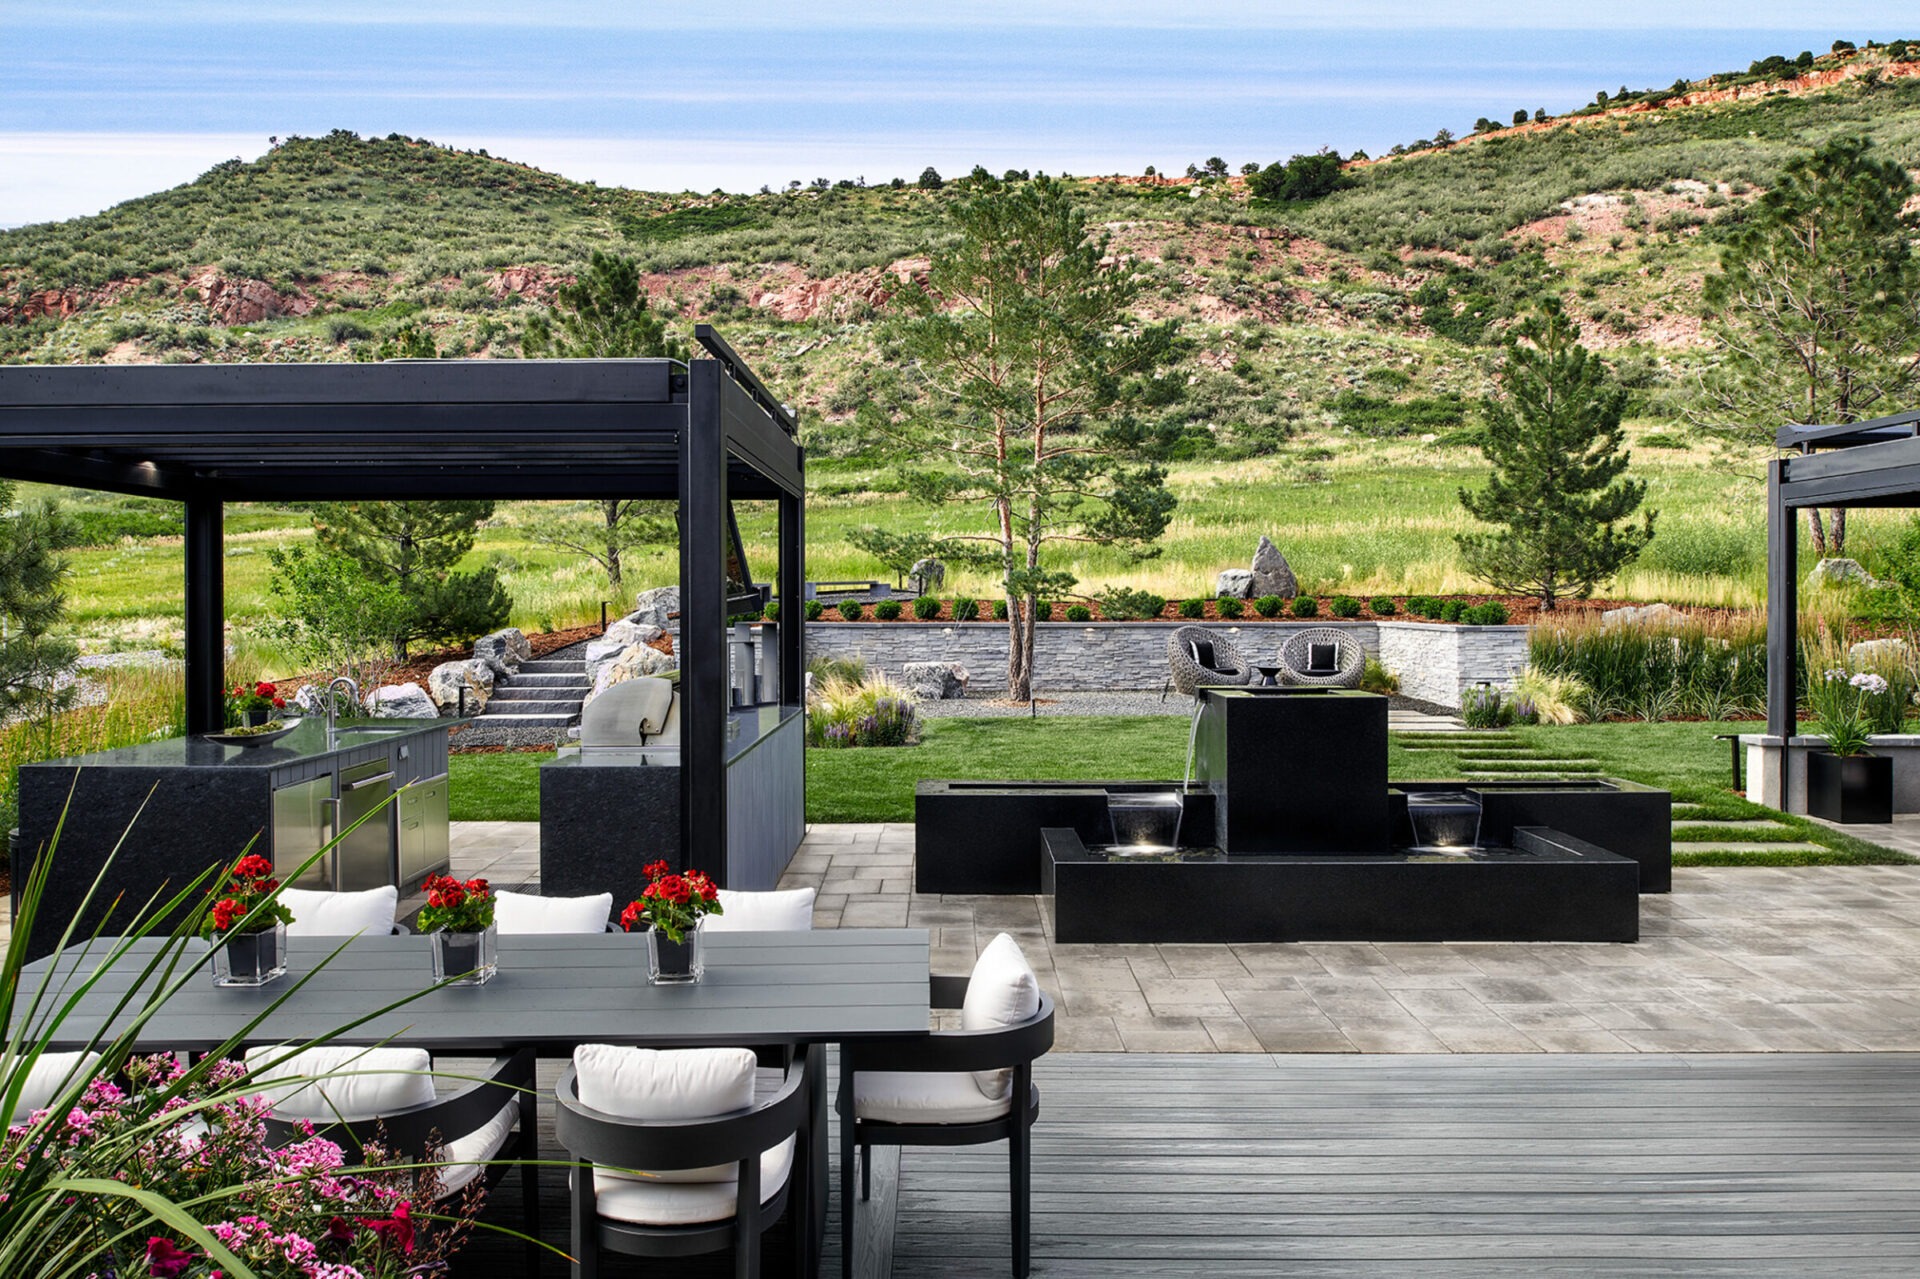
(309, 740)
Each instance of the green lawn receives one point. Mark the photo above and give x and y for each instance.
(877, 785)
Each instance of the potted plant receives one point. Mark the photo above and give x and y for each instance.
(248, 926)
(458, 922)
(1845, 783)
(671, 907)
(251, 706)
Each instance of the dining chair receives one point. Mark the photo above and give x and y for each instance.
(961, 1087)
(788, 910)
(323, 914)
(351, 1094)
(718, 1138)
(520, 914)
(49, 1076)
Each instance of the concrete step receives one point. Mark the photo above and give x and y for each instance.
(567, 709)
(516, 691)
(574, 666)
(1746, 846)
(1728, 823)
(523, 720)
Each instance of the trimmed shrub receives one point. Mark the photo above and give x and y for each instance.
(1228, 606)
(1043, 610)
(1382, 606)
(852, 610)
(1423, 606)
(1000, 610)
(1491, 613)
(965, 610)
(1193, 608)
(1269, 606)
(1305, 606)
(815, 610)
(1344, 606)
(771, 612)
(887, 610)
(926, 608)
(1124, 605)
(1079, 613)
(1451, 610)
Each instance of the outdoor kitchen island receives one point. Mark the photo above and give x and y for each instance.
(176, 807)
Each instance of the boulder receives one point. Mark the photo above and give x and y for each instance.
(627, 633)
(401, 701)
(449, 678)
(311, 699)
(1840, 572)
(503, 650)
(1237, 582)
(935, 681)
(926, 576)
(651, 608)
(599, 654)
(632, 662)
(1272, 575)
(1875, 652)
(1651, 615)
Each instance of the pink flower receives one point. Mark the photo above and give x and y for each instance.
(166, 1259)
(395, 1232)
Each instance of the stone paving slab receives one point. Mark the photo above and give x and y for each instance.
(1735, 959)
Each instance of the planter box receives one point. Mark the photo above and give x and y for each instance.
(1850, 789)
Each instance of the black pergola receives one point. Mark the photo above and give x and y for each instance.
(1873, 463)
(704, 433)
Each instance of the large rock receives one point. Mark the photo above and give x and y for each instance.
(1272, 575)
(1237, 582)
(1650, 615)
(1875, 652)
(311, 699)
(627, 633)
(935, 681)
(1840, 572)
(652, 608)
(632, 662)
(449, 678)
(401, 701)
(926, 576)
(503, 650)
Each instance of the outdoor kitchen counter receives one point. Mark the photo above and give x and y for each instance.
(174, 808)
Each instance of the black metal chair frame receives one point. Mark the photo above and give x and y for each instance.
(593, 1138)
(480, 1097)
(947, 1051)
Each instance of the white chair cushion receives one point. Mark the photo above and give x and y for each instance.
(317, 914)
(1002, 992)
(50, 1073)
(349, 1084)
(907, 1097)
(658, 1201)
(654, 1084)
(788, 911)
(520, 913)
(464, 1158)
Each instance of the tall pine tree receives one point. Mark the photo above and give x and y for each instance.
(1557, 495)
(414, 547)
(32, 604)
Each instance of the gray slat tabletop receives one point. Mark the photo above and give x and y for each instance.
(551, 993)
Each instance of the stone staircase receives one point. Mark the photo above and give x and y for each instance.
(545, 693)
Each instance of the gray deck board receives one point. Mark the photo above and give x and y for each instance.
(1440, 1167)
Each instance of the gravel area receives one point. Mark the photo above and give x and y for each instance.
(480, 733)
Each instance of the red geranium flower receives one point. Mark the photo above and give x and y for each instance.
(653, 870)
(395, 1232)
(253, 866)
(341, 1231)
(166, 1259)
(630, 916)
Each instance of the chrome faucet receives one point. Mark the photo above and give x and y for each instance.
(353, 691)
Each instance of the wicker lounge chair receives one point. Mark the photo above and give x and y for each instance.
(1322, 657)
(1198, 657)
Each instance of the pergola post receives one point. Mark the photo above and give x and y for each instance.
(1783, 616)
(792, 584)
(206, 615)
(704, 686)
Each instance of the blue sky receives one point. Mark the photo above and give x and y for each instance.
(106, 101)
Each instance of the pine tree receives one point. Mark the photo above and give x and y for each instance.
(31, 606)
(414, 547)
(1556, 491)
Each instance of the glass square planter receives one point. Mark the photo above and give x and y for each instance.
(463, 959)
(250, 959)
(670, 962)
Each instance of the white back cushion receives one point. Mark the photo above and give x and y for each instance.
(515, 913)
(349, 1083)
(50, 1073)
(317, 914)
(1002, 992)
(788, 911)
(678, 1083)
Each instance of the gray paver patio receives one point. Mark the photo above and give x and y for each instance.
(1738, 959)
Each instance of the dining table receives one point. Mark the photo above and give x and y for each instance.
(551, 992)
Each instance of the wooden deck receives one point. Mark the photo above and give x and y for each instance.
(1457, 1166)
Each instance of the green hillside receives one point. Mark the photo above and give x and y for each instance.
(1337, 346)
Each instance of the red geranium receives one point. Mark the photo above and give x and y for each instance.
(455, 906)
(247, 901)
(395, 1232)
(166, 1259)
(259, 696)
(672, 902)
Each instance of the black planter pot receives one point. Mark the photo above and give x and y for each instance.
(253, 719)
(1850, 789)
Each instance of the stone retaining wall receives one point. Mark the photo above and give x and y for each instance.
(1434, 662)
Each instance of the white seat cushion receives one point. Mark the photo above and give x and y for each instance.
(788, 911)
(50, 1073)
(520, 913)
(348, 1084)
(1002, 992)
(317, 914)
(464, 1158)
(904, 1097)
(656, 1201)
(678, 1084)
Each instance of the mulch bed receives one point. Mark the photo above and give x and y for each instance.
(1520, 609)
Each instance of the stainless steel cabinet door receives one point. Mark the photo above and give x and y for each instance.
(302, 824)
